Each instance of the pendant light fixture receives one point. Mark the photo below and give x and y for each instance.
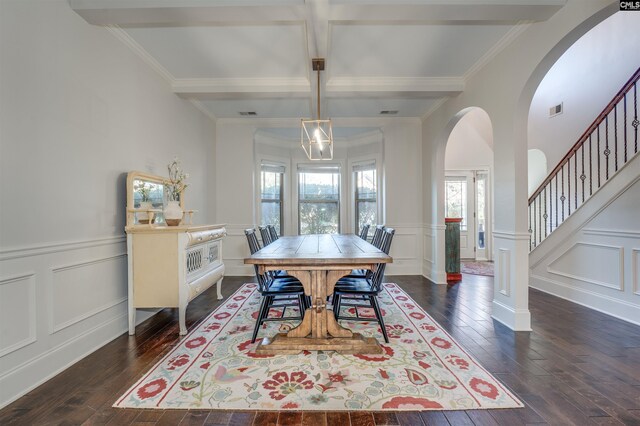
(316, 135)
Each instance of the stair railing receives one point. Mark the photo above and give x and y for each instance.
(606, 145)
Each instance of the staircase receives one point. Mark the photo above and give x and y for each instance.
(603, 149)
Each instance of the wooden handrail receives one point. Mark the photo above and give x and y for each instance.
(585, 136)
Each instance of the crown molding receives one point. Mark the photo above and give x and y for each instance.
(502, 44)
(203, 109)
(135, 47)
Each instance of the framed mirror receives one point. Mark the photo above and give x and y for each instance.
(146, 199)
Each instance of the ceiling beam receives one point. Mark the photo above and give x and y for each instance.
(417, 87)
(316, 13)
(242, 88)
(446, 12)
(184, 12)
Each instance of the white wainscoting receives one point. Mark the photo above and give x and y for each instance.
(406, 249)
(236, 250)
(593, 258)
(58, 303)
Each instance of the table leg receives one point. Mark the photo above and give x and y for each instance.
(319, 329)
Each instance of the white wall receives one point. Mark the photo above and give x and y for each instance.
(236, 161)
(537, 167)
(78, 111)
(594, 258)
(470, 145)
(584, 79)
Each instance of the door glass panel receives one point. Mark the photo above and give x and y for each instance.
(456, 199)
(481, 202)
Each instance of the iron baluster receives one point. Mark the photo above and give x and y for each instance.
(615, 137)
(550, 207)
(582, 176)
(568, 188)
(556, 200)
(636, 122)
(530, 233)
(625, 127)
(606, 147)
(540, 218)
(598, 156)
(545, 216)
(575, 179)
(590, 168)
(562, 197)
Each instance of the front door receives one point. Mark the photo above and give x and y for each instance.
(460, 202)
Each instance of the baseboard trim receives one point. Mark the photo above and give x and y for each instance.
(555, 288)
(515, 319)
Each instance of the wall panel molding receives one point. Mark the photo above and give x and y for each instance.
(57, 247)
(573, 276)
(30, 279)
(612, 233)
(504, 271)
(55, 326)
(635, 275)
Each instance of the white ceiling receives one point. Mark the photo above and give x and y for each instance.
(232, 56)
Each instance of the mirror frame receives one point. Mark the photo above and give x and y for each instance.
(131, 210)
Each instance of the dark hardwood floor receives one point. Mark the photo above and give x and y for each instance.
(578, 366)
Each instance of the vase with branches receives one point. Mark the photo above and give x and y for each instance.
(176, 184)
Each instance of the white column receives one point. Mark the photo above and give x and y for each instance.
(510, 235)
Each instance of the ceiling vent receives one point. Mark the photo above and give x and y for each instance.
(388, 112)
(247, 113)
(555, 110)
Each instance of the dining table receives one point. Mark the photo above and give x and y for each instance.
(318, 262)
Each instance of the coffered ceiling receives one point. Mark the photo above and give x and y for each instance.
(241, 56)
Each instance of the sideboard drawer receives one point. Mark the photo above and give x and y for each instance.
(199, 237)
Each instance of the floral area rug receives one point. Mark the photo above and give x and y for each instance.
(477, 268)
(422, 368)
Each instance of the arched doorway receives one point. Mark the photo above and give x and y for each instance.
(467, 189)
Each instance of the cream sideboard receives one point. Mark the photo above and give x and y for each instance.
(170, 265)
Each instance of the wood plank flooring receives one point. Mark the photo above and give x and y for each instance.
(578, 366)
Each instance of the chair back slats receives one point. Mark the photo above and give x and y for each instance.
(252, 239)
(364, 232)
(254, 246)
(377, 236)
(273, 232)
(266, 235)
(378, 275)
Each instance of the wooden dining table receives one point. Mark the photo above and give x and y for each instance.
(318, 261)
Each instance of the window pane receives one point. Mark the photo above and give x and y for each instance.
(366, 213)
(456, 200)
(271, 186)
(366, 184)
(318, 218)
(365, 198)
(271, 199)
(319, 186)
(319, 202)
(271, 215)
